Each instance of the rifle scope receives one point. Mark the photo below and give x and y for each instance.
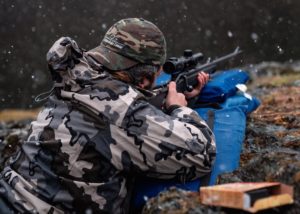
(187, 61)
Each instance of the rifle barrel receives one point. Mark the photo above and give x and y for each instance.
(223, 58)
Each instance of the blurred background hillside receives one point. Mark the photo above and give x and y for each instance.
(267, 30)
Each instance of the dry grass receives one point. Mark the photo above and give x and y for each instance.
(278, 80)
(18, 114)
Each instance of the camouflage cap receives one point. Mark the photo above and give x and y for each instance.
(129, 42)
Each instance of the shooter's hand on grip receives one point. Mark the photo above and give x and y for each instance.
(173, 97)
(202, 78)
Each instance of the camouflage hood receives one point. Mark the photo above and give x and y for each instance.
(129, 42)
(66, 50)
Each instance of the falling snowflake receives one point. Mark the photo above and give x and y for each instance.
(279, 49)
(229, 34)
(254, 37)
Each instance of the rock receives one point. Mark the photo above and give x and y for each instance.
(282, 166)
(12, 135)
(178, 201)
(274, 166)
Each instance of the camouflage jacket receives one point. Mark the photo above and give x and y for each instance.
(94, 135)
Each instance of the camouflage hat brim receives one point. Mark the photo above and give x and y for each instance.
(111, 59)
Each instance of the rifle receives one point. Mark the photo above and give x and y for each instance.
(184, 71)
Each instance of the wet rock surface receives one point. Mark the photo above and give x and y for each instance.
(271, 150)
(12, 135)
(178, 201)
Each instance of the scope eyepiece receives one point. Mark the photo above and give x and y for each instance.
(187, 61)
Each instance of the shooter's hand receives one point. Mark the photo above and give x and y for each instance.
(173, 97)
(202, 80)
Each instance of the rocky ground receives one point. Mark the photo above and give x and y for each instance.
(12, 135)
(271, 149)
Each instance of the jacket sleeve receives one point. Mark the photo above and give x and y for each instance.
(179, 145)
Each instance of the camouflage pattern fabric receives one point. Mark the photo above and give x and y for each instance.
(93, 136)
(129, 42)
